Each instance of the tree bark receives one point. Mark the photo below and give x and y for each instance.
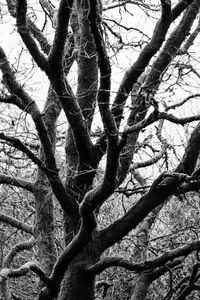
(44, 228)
(76, 283)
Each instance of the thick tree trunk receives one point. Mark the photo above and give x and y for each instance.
(77, 284)
(44, 227)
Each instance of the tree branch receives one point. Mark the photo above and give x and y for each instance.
(12, 99)
(20, 146)
(30, 106)
(23, 270)
(38, 35)
(160, 261)
(23, 30)
(174, 106)
(62, 88)
(191, 39)
(158, 156)
(145, 56)
(157, 194)
(105, 74)
(57, 50)
(16, 223)
(155, 116)
(5, 179)
(16, 249)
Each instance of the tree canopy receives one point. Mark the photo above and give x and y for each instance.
(99, 149)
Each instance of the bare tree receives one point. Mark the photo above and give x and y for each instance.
(81, 32)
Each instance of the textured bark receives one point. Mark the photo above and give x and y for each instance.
(142, 281)
(141, 287)
(86, 96)
(78, 283)
(44, 229)
(79, 178)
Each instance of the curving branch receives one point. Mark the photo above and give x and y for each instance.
(22, 271)
(49, 9)
(62, 88)
(16, 223)
(35, 31)
(174, 106)
(20, 146)
(155, 116)
(99, 194)
(172, 46)
(158, 193)
(179, 8)
(5, 179)
(38, 35)
(27, 245)
(23, 30)
(142, 62)
(145, 56)
(155, 274)
(29, 105)
(105, 74)
(160, 261)
(147, 53)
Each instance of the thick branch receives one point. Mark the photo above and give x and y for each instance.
(12, 99)
(57, 50)
(16, 223)
(23, 270)
(30, 106)
(143, 60)
(172, 46)
(191, 39)
(38, 35)
(5, 179)
(20, 146)
(157, 194)
(163, 260)
(62, 88)
(23, 30)
(16, 249)
(105, 74)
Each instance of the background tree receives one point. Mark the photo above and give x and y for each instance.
(83, 197)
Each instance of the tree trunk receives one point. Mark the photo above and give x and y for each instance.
(44, 228)
(77, 284)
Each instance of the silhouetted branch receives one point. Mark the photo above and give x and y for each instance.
(23, 30)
